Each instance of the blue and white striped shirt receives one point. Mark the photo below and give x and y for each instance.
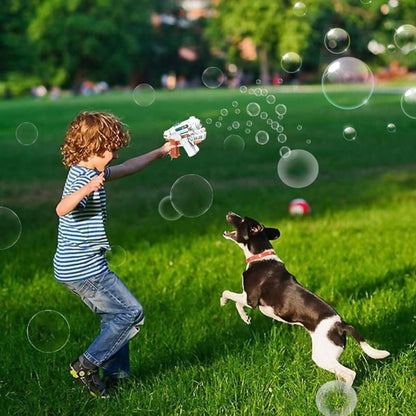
(82, 240)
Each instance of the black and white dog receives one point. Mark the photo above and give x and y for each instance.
(268, 285)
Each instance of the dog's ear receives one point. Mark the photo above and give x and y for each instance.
(272, 233)
(257, 229)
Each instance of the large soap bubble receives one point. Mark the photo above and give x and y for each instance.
(191, 195)
(348, 83)
(337, 40)
(291, 62)
(298, 169)
(408, 102)
(144, 95)
(10, 228)
(48, 331)
(336, 398)
(405, 38)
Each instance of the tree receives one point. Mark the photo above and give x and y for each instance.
(98, 39)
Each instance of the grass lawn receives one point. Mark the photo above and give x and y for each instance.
(192, 357)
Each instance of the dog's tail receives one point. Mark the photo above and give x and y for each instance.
(368, 349)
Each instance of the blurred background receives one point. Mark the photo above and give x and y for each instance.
(54, 47)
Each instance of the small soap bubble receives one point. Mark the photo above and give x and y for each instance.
(218, 124)
(224, 112)
(249, 123)
(166, 209)
(48, 331)
(116, 256)
(236, 125)
(243, 89)
(284, 151)
(253, 109)
(336, 398)
(144, 95)
(337, 40)
(208, 121)
(258, 81)
(234, 104)
(237, 111)
(191, 195)
(26, 133)
(391, 128)
(280, 109)
(281, 138)
(299, 9)
(405, 38)
(299, 169)
(247, 131)
(275, 125)
(262, 137)
(408, 103)
(291, 62)
(280, 128)
(349, 133)
(263, 115)
(299, 127)
(213, 77)
(270, 99)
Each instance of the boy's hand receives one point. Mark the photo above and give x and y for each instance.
(96, 183)
(166, 148)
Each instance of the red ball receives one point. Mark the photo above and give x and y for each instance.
(299, 207)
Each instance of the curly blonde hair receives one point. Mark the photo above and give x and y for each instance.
(91, 133)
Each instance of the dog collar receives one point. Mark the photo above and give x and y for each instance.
(260, 255)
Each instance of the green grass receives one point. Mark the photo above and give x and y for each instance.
(193, 357)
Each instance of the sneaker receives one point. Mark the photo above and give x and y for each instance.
(87, 374)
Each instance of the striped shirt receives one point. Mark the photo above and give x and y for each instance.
(82, 240)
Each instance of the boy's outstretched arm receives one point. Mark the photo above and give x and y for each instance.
(138, 163)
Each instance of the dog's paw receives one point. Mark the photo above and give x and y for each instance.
(223, 300)
(246, 319)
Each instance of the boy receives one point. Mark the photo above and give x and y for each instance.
(91, 143)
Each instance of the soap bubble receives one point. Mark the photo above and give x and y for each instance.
(116, 256)
(391, 128)
(299, 169)
(243, 89)
(262, 137)
(336, 398)
(10, 228)
(337, 40)
(284, 151)
(224, 112)
(213, 77)
(234, 143)
(299, 9)
(405, 38)
(349, 133)
(347, 83)
(291, 62)
(280, 109)
(253, 109)
(281, 138)
(26, 133)
(144, 95)
(48, 331)
(271, 99)
(191, 195)
(166, 209)
(408, 102)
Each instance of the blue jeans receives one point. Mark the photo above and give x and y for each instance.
(121, 316)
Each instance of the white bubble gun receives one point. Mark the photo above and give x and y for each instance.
(186, 134)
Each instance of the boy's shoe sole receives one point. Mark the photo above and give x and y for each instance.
(89, 379)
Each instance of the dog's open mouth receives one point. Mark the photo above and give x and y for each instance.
(230, 234)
